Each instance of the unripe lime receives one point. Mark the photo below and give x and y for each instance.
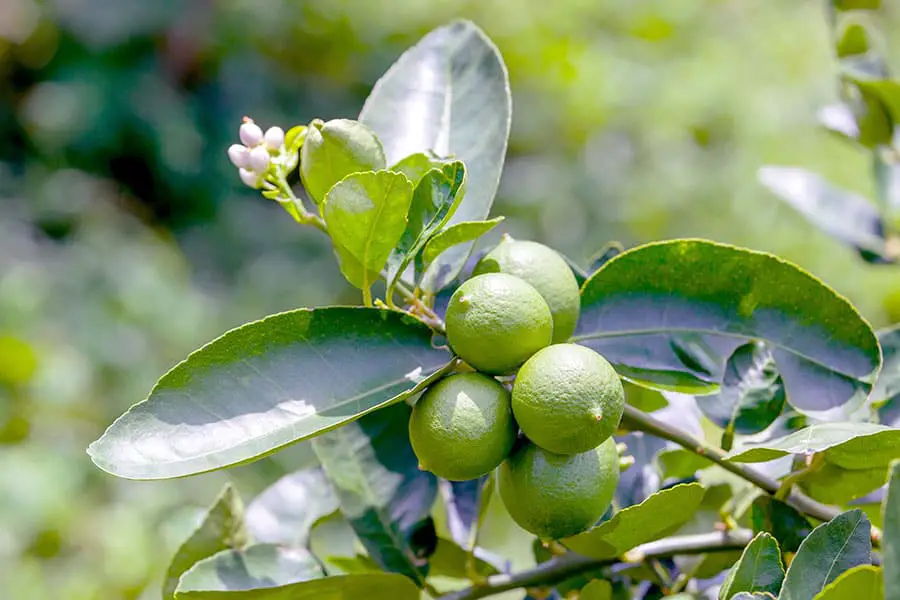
(547, 272)
(335, 149)
(555, 496)
(496, 321)
(462, 426)
(568, 399)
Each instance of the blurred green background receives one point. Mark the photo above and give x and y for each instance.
(126, 238)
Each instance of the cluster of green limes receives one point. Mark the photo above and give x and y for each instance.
(514, 316)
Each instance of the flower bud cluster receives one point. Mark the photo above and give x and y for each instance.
(254, 155)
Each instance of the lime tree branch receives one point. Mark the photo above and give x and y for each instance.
(568, 565)
(637, 420)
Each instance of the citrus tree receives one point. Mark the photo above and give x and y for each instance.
(684, 418)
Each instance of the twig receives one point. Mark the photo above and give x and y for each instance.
(562, 567)
(638, 420)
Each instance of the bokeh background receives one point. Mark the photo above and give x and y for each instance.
(126, 238)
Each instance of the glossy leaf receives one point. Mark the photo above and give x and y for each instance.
(844, 215)
(335, 149)
(416, 165)
(753, 596)
(286, 511)
(781, 520)
(848, 445)
(641, 307)
(832, 548)
(598, 589)
(643, 398)
(248, 572)
(435, 199)
(366, 217)
(381, 491)
(862, 582)
(752, 393)
(657, 516)
(371, 586)
(448, 94)
(267, 384)
(891, 544)
(454, 235)
(222, 528)
(758, 570)
(839, 119)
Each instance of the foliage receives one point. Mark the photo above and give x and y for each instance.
(785, 371)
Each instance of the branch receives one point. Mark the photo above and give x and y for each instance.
(566, 566)
(637, 420)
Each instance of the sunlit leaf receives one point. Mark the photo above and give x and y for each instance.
(669, 314)
(267, 384)
(448, 94)
(285, 512)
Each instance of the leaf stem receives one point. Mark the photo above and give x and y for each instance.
(562, 567)
(637, 420)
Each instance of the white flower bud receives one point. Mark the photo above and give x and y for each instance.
(250, 133)
(259, 159)
(250, 178)
(239, 156)
(274, 138)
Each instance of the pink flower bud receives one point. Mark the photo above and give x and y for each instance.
(239, 156)
(250, 178)
(259, 159)
(250, 133)
(274, 138)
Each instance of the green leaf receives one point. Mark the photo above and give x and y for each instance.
(449, 560)
(334, 150)
(449, 94)
(852, 41)
(854, 446)
(416, 165)
(381, 491)
(435, 199)
(753, 596)
(781, 520)
(454, 235)
(680, 463)
(832, 548)
(659, 515)
(643, 398)
(862, 582)
(366, 216)
(222, 529)
(598, 589)
(752, 393)
(286, 511)
(268, 384)
(642, 306)
(847, 217)
(758, 570)
(833, 485)
(887, 389)
(856, 4)
(248, 573)
(891, 544)
(371, 586)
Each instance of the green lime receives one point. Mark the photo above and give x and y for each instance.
(544, 269)
(555, 496)
(568, 399)
(462, 427)
(496, 321)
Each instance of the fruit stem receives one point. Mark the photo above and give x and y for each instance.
(637, 420)
(562, 567)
